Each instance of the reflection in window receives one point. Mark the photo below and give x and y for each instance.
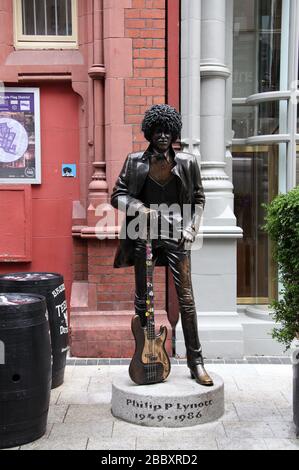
(262, 119)
(243, 121)
(268, 118)
(255, 179)
(257, 44)
(244, 52)
(269, 12)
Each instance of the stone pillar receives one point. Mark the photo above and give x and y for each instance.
(214, 265)
(190, 75)
(229, 88)
(98, 188)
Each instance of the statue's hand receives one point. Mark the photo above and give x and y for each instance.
(187, 239)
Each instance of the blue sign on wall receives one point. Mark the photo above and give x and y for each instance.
(69, 170)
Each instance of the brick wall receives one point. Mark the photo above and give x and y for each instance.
(80, 267)
(115, 288)
(145, 24)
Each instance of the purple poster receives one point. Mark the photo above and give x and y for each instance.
(20, 135)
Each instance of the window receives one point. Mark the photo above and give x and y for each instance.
(45, 23)
(255, 179)
(259, 163)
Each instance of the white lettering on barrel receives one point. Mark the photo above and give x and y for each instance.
(62, 310)
(63, 330)
(58, 290)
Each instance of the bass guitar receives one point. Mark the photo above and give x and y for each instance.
(150, 363)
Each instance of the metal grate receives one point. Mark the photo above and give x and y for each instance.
(47, 17)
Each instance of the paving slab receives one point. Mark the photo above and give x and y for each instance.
(258, 411)
(282, 444)
(92, 429)
(65, 443)
(188, 443)
(83, 398)
(111, 444)
(87, 413)
(121, 429)
(57, 413)
(241, 444)
(207, 430)
(248, 429)
(283, 430)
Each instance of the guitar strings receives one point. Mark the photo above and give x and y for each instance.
(150, 309)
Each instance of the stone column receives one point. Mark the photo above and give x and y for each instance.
(214, 265)
(190, 75)
(229, 88)
(98, 188)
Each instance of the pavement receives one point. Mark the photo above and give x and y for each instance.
(258, 413)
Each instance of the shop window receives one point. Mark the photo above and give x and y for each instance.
(257, 46)
(45, 24)
(255, 179)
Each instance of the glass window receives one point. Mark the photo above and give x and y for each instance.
(255, 179)
(268, 118)
(258, 171)
(244, 51)
(47, 17)
(257, 44)
(43, 21)
(269, 14)
(243, 121)
(262, 119)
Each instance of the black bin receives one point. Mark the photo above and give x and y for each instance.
(25, 368)
(296, 394)
(50, 285)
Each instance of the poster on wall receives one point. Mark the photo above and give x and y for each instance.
(20, 154)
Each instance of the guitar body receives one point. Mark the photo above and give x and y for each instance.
(150, 363)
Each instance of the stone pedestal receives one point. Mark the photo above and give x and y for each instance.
(177, 402)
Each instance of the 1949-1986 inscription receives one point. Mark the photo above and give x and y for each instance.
(158, 412)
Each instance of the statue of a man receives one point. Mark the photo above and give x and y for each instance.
(165, 188)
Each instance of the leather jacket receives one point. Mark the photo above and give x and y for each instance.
(129, 184)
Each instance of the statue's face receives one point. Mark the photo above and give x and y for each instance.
(161, 139)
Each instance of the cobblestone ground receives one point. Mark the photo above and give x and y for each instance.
(258, 413)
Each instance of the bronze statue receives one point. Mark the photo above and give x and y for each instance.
(164, 188)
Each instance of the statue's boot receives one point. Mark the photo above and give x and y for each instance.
(199, 373)
(193, 347)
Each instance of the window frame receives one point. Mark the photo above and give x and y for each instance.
(25, 41)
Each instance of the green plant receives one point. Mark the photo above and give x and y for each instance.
(282, 225)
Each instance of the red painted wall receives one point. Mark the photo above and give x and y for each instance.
(52, 201)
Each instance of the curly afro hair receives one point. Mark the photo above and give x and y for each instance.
(163, 116)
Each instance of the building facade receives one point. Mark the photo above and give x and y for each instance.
(231, 67)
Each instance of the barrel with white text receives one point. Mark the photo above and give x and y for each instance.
(50, 285)
(25, 368)
(296, 394)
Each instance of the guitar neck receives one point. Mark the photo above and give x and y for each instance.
(150, 315)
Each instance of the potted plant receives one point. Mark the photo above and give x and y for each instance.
(282, 225)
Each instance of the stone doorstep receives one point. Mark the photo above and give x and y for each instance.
(108, 334)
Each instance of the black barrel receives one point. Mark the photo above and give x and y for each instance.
(25, 368)
(50, 285)
(296, 394)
